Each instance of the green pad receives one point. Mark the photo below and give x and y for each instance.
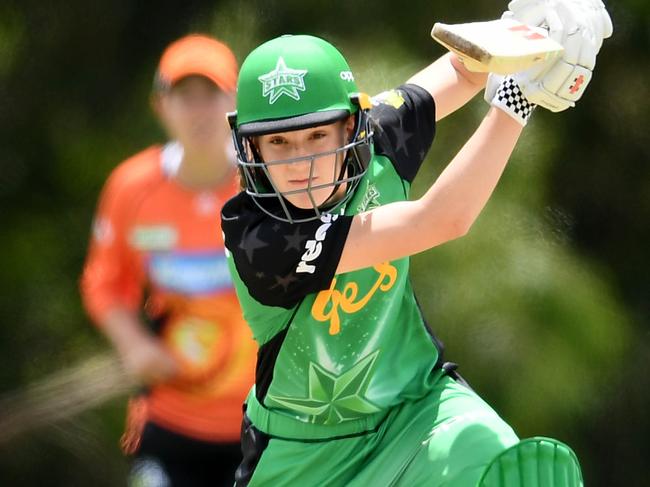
(534, 462)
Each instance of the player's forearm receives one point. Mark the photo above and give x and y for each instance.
(464, 187)
(450, 84)
(143, 355)
(446, 211)
(122, 327)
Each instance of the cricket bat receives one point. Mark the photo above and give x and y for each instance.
(62, 395)
(501, 46)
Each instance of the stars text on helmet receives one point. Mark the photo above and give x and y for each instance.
(283, 81)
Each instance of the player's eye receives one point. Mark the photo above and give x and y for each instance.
(276, 141)
(318, 135)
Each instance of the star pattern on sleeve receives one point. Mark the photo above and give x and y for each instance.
(284, 281)
(295, 241)
(250, 242)
(402, 137)
(266, 254)
(404, 128)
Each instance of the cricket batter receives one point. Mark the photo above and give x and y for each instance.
(156, 280)
(351, 387)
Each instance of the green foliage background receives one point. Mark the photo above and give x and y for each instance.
(545, 304)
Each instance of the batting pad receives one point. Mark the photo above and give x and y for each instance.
(534, 462)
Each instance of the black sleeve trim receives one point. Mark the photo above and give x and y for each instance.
(281, 262)
(404, 121)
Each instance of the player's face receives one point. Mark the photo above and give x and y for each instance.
(194, 112)
(292, 179)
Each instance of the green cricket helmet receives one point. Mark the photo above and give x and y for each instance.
(295, 82)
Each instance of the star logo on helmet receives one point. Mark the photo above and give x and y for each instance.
(283, 81)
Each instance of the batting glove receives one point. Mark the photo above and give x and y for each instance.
(580, 27)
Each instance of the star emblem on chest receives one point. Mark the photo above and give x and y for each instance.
(335, 398)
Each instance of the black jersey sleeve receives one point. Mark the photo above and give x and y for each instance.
(404, 122)
(281, 262)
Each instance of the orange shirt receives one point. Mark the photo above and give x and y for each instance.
(152, 235)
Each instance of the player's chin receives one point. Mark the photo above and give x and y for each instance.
(305, 200)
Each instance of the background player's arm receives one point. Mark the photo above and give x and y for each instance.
(141, 352)
(446, 211)
(450, 84)
(112, 297)
(111, 290)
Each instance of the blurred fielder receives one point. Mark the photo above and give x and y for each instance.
(155, 239)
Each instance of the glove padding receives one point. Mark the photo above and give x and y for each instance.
(561, 17)
(580, 27)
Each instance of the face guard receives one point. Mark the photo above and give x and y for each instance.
(293, 83)
(352, 158)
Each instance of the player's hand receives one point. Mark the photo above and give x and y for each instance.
(580, 26)
(146, 360)
(143, 355)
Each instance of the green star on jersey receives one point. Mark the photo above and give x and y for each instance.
(370, 199)
(335, 398)
(283, 81)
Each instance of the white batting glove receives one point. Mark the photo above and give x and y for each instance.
(561, 17)
(580, 27)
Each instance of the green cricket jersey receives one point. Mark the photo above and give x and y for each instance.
(336, 351)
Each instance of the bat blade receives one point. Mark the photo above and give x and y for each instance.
(501, 46)
(63, 395)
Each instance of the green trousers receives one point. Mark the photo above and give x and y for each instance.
(445, 439)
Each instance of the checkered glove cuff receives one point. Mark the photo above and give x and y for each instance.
(511, 100)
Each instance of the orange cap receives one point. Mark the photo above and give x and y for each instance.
(198, 55)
